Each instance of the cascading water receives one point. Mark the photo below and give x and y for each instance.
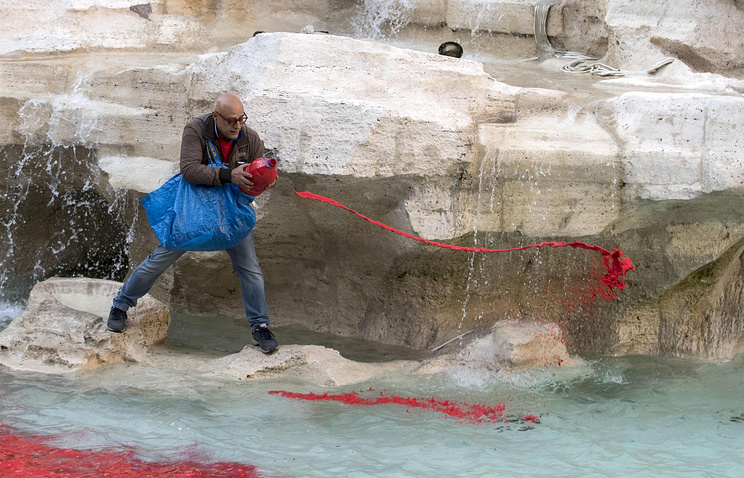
(379, 19)
(59, 218)
(483, 208)
(476, 13)
(545, 48)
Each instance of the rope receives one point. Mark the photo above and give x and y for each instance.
(616, 265)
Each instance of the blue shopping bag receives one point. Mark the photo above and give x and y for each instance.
(190, 217)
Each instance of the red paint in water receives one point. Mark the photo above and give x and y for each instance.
(474, 413)
(576, 297)
(29, 457)
(616, 265)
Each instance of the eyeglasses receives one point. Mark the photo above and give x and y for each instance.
(241, 119)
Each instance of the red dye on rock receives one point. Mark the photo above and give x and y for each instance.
(473, 413)
(29, 457)
(614, 262)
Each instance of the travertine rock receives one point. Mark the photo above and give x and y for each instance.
(99, 24)
(310, 363)
(651, 163)
(700, 317)
(511, 345)
(677, 146)
(635, 34)
(63, 328)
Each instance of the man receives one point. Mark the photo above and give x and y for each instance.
(235, 144)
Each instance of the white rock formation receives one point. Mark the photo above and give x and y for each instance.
(434, 145)
(334, 105)
(677, 146)
(63, 328)
(511, 346)
(139, 174)
(87, 25)
(311, 363)
(704, 35)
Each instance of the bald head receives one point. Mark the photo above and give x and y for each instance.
(228, 109)
(228, 102)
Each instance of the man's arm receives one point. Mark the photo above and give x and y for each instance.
(192, 153)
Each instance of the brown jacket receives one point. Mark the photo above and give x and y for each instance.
(194, 157)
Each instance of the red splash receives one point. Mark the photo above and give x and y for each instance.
(614, 262)
(29, 457)
(473, 413)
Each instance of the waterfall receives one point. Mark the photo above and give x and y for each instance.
(545, 49)
(58, 216)
(379, 19)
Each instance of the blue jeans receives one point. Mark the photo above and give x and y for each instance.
(245, 264)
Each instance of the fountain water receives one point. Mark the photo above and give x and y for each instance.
(379, 19)
(59, 218)
(545, 49)
(617, 416)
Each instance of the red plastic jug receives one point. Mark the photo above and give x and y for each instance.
(264, 173)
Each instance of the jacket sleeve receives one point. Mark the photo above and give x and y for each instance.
(192, 153)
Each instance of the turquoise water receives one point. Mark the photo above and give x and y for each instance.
(615, 417)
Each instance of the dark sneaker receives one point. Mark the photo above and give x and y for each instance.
(263, 337)
(117, 320)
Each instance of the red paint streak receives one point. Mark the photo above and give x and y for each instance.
(615, 265)
(474, 413)
(29, 457)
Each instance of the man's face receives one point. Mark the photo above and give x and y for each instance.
(229, 114)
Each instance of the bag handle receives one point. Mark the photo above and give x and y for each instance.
(212, 155)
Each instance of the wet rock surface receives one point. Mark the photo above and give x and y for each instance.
(496, 153)
(698, 317)
(700, 34)
(310, 363)
(63, 328)
(511, 345)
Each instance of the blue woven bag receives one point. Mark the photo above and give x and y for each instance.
(190, 217)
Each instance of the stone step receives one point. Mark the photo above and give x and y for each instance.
(561, 149)
(62, 120)
(139, 173)
(120, 25)
(547, 175)
(515, 17)
(485, 29)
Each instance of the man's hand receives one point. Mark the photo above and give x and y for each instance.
(241, 178)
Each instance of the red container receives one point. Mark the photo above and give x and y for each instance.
(264, 173)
